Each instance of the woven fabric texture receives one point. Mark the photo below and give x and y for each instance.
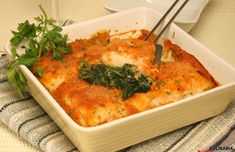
(22, 121)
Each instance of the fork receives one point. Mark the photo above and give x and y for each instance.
(158, 47)
(65, 23)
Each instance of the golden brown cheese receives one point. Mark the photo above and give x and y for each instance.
(91, 105)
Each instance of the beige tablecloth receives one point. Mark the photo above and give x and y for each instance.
(215, 29)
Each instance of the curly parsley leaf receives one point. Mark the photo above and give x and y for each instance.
(27, 60)
(13, 52)
(40, 71)
(25, 30)
(17, 79)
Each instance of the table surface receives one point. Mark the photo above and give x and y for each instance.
(215, 29)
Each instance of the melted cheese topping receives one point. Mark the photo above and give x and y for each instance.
(178, 76)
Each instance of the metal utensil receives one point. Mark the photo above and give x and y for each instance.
(158, 47)
(65, 22)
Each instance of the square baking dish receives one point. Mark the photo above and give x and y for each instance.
(136, 128)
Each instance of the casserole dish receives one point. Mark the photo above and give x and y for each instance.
(133, 129)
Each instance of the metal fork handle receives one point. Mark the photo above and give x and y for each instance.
(170, 21)
(160, 21)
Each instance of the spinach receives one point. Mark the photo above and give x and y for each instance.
(126, 78)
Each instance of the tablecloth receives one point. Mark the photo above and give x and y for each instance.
(215, 29)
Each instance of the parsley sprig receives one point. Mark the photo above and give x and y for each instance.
(42, 36)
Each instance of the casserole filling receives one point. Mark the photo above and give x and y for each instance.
(93, 86)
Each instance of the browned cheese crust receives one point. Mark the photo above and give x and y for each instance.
(92, 105)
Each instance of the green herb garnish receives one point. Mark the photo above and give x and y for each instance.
(41, 37)
(160, 84)
(39, 71)
(126, 78)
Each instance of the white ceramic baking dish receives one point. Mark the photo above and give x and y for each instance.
(133, 129)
